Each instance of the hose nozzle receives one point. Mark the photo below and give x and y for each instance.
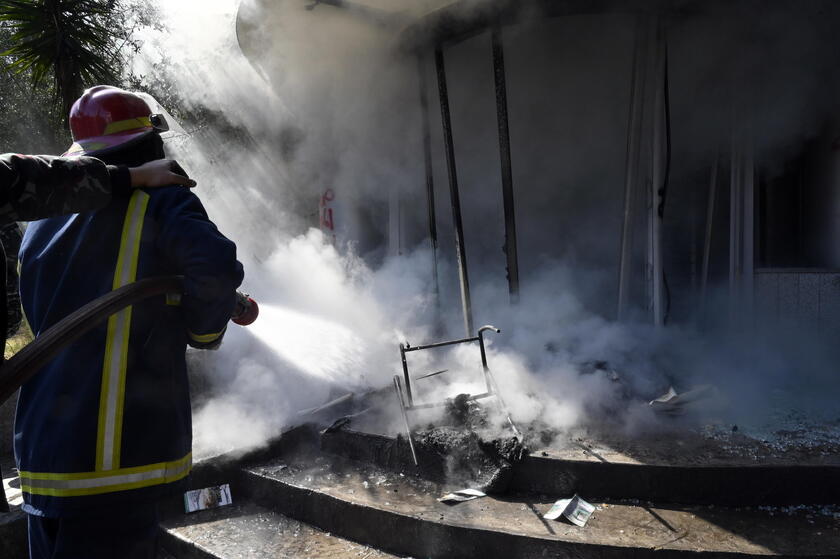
(246, 310)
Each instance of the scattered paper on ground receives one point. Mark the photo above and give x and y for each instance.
(575, 510)
(207, 498)
(11, 487)
(674, 403)
(461, 495)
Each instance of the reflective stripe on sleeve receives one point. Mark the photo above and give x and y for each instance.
(94, 483)
(112, 396)
(205, 338)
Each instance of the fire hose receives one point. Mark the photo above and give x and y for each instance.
(28, 361)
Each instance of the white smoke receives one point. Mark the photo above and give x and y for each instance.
(332, 319)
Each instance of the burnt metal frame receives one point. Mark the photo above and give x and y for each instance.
(710, 218)
(634, 152)
(460, 21)
(406, 397)
(504, 156)
(510, 246)
(633, 161)
(659, 178)
(741, 223)
(429, 170)
(454, 193)
(452, 25)
(647, 164)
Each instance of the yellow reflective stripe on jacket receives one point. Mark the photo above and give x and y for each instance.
(130, 124)
(94, 483)
(205, 338)
(112, 396)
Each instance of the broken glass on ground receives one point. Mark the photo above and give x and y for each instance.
(575, 510)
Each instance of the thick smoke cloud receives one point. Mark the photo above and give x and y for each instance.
(327, 101)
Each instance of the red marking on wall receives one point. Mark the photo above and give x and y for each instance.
(327, 220)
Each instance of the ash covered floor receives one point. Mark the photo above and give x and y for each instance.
(786, 436)
(790, 531)
(252, 532)
(804, 443)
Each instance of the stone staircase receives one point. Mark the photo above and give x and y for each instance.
(347, 494)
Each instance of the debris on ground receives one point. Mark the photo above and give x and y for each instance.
(460, 411)
(462, 495)
(207, 498)
(575, 510)
(472, 460)
(674, 403)
(333, 404)
(12, 490)
(336, 425)
(602, 367)
(472, 455)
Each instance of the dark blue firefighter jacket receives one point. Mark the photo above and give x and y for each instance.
(107, 422)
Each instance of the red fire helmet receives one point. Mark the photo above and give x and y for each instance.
(106, 117)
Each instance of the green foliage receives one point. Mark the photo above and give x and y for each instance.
(44, 70)
(68, 45)
(30, 120)
(19, 340)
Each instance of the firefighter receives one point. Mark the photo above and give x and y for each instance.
(103, 432)
(35, 187)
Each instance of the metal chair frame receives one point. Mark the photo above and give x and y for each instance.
(405, 396)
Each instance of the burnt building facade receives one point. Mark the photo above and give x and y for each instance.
(680, 157)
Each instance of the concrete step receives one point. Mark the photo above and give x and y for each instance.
(401, 514)
(601, 473)
(294, 499)
(241, 531)
(235, 532)
(13, 542)
(248, 531)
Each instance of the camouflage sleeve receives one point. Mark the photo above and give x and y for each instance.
(38, 186)
(10, 236)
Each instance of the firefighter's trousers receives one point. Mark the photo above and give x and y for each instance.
(130, 534)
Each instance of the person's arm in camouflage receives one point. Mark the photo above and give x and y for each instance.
(11, 236)
(37, 186)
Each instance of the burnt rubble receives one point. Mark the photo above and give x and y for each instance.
(462, 448)
(472, 456)
(472, 461)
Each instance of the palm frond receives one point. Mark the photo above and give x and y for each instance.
(74, 41)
